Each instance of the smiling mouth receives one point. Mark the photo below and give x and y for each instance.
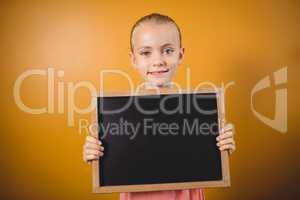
(158, 73)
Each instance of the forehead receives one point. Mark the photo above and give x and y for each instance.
(154, 34)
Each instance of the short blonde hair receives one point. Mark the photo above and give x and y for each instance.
(157, 18)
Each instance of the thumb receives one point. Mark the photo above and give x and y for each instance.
(93, 129)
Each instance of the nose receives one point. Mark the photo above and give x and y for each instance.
(158, 60)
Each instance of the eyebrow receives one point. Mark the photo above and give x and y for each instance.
(167, 44)
(149, 47)
(145, 47)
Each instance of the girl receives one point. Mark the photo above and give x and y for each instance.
(156, 52)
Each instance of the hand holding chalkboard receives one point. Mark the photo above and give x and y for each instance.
(92, 148)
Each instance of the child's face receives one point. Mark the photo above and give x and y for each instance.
(156, 52)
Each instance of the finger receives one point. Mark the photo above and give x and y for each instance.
(224, 136)
(225, 142)
(93, 152)
(93, 129)
(91, 157)
(227, 127)
(227, 147)
(231, 151)
(87, 161)
(91, 139)
(89, 145)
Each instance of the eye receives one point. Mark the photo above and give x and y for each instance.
(145, 53)
(168, 51)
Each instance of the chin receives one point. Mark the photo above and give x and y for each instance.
(159, 82)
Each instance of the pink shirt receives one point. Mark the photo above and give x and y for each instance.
(192, 194)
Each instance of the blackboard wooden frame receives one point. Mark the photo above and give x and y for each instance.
(225, 182)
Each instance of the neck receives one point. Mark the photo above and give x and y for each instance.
(149, 85)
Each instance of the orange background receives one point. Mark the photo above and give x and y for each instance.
(240, 41)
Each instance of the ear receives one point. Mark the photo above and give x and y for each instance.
(181, 53)
(133, 59)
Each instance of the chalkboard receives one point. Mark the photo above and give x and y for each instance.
(160, 141)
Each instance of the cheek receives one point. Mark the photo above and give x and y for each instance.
(173, 61)
(142, 66)
(142, 71)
